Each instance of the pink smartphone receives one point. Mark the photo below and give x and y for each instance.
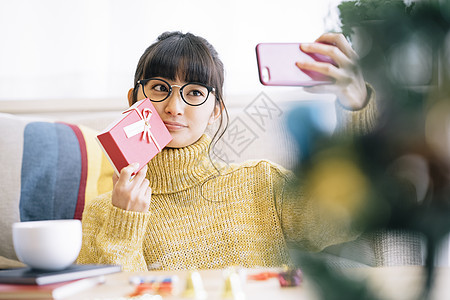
(276, 65)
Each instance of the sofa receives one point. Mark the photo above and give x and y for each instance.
(52, 166)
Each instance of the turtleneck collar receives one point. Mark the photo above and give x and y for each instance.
(176, 169)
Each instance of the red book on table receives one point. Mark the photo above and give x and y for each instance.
(49, 291)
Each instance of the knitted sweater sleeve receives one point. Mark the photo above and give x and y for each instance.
(357, 122)
(113, 236)
(308, 221)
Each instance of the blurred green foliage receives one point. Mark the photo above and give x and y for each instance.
(353, 13)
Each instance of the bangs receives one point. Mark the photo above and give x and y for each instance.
(180, 58)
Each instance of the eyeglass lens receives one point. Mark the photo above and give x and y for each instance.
(193, 94)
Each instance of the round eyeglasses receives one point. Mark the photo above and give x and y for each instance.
(192, 93)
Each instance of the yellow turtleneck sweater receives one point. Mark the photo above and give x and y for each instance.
(197, 219)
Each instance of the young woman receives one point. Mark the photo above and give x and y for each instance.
(179, 212)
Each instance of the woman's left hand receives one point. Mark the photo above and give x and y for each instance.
(349, 86)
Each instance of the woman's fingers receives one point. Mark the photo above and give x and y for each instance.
(132, 193)
(338, 40)
(323, 68)
(115, 178)
(145, 193)
(339, 58)
(126, 173)
(139, 177)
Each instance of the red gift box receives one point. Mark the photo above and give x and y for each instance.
(136, 137)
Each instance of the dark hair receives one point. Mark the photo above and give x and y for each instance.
(186, 57)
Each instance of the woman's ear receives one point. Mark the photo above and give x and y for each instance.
(218, 108)
(130, 97)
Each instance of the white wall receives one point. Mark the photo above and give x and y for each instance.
(78, 49)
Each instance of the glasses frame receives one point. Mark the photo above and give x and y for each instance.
(143, 82)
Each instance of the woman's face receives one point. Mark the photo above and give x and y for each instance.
(185, 123)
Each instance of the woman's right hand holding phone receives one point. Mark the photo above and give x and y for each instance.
(132, 193)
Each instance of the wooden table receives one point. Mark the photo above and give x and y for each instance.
(118, 285)
(399, 283)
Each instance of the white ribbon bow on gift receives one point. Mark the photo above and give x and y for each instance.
(142, 125)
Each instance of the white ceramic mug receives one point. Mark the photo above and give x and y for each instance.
(47, 245)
